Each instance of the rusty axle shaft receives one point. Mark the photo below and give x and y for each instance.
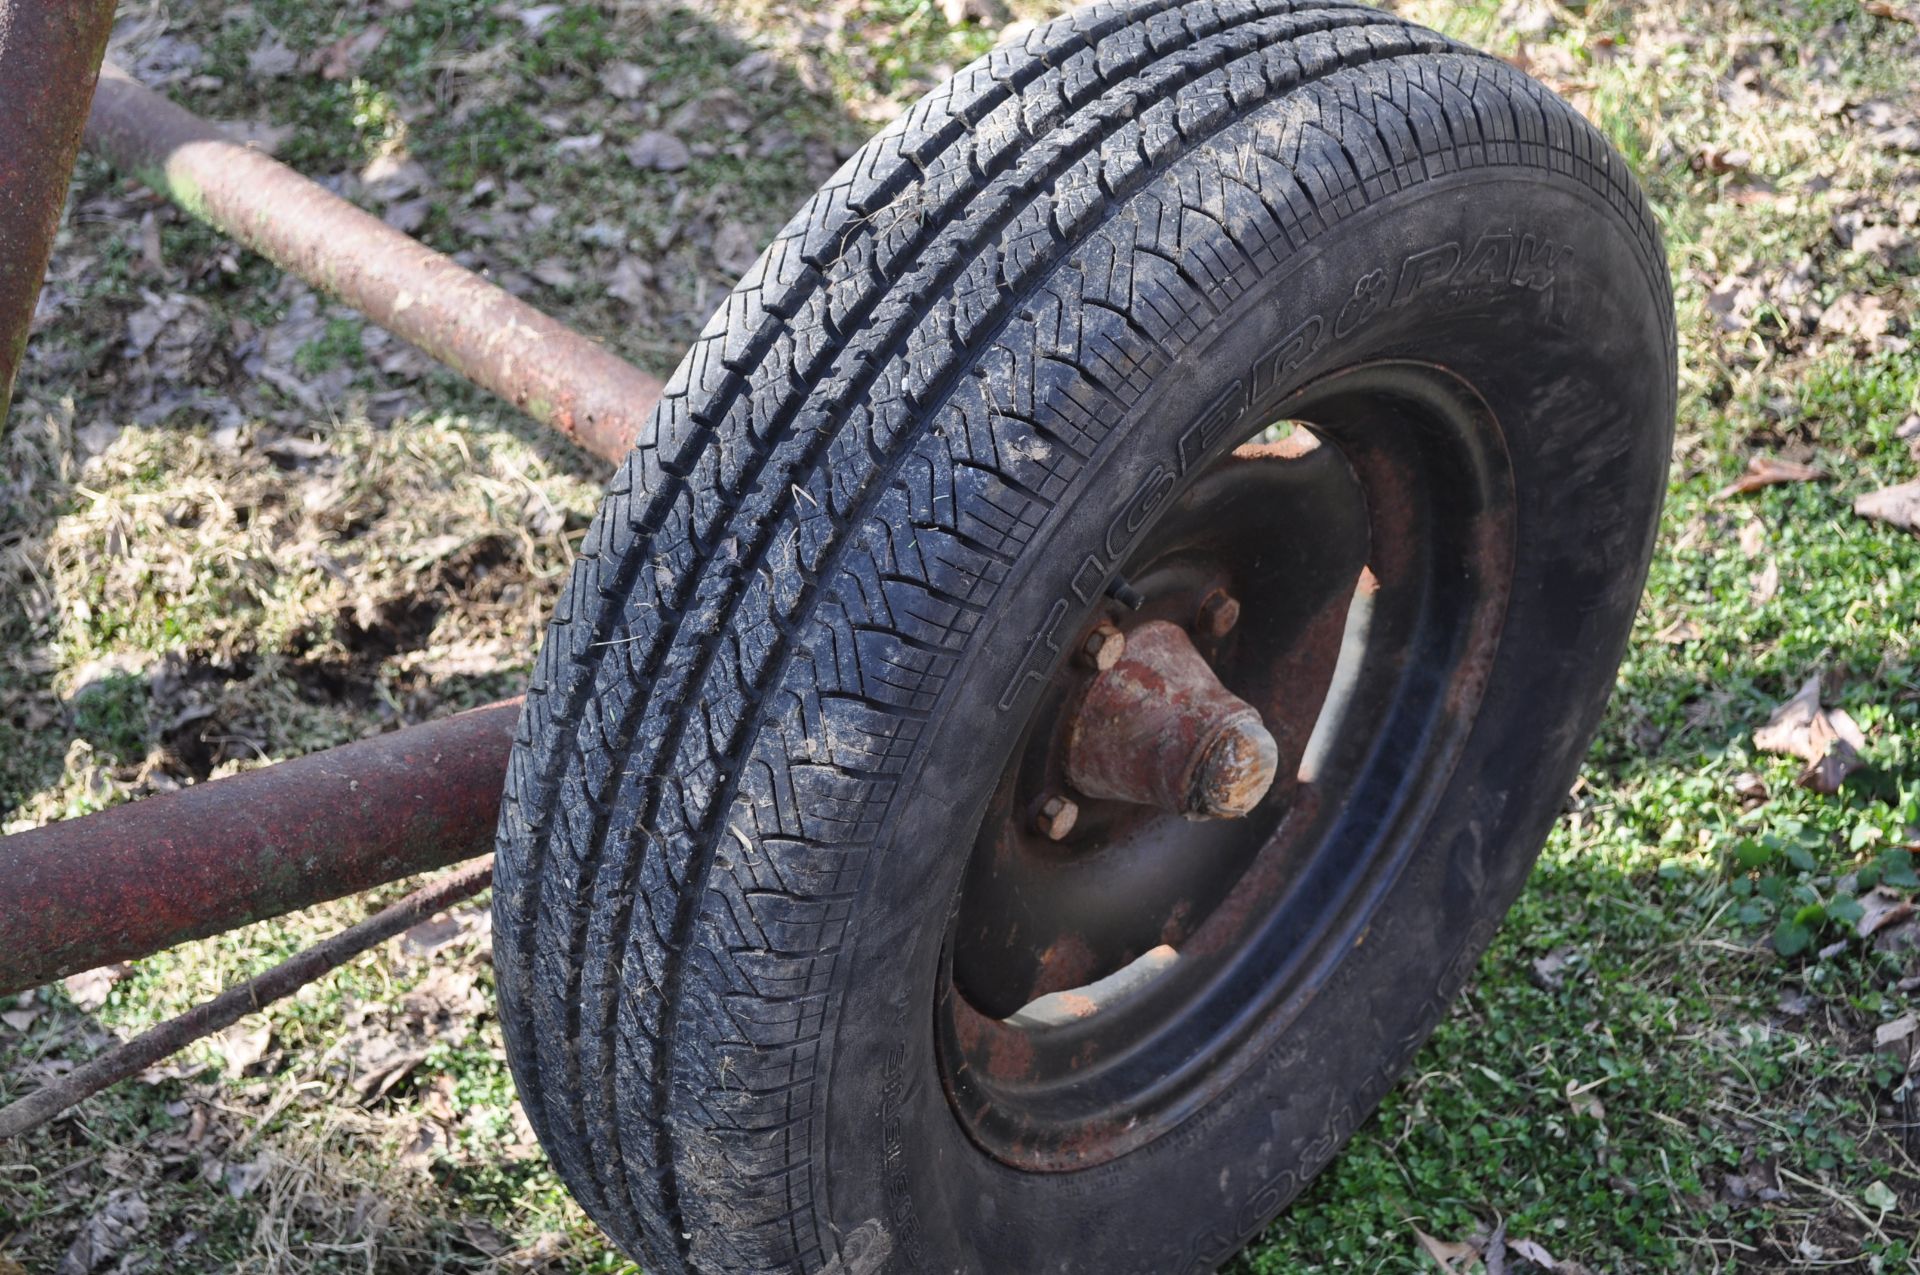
(137, 878)
(495, 340)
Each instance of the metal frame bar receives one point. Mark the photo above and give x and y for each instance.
(134, 879)
(50, 53)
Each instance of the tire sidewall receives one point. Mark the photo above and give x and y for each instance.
(1580, 375)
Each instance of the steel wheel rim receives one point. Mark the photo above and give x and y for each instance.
(1056, 1058)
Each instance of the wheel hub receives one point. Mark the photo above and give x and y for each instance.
(1217, 786)
(1156, 728)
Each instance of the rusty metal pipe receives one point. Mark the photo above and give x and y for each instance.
(137, 878)
(495, 340)
(229, 1007)
(50, 53)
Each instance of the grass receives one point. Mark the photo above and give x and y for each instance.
(268, 530)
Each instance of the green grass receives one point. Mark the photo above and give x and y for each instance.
(1671, 1093)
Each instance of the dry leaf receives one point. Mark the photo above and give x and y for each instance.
(992, 12)
(662, 152)
(1899, 506)
(1895, 1039)
(1826, 739)
(21, 1019)
(1453, 1257)
(89, 989)
(1766, 584)
(624, 80)
(270, 59)
(1857, 314)
(1880, 908)
(241, 1046)
(1549, 971)
(1538, 1255)
(629, 282)
(1584, 1101)
(432, 934)
(1680, 631)
(339, 60)
(122, 1217)
(1907, 13)
(1766, 471)
(734, 248)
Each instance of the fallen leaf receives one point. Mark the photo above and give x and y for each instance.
(243, 1179)
(1899, 506)
(121, 1219)
(1879, 909)
(956, 12)
(1549, 971)
(1749, 787)
(241, 1046)
(1767, 471)
(1714, 159)
(1857, 314)
(1895, 1039)
(1680, 631)
(21, 1019)
(1539, 1256)
(1584, 1101)
(341, 59)
(662, 152)
(624, 80)
(1881, 241)
(271, 59)
(1453, 1257)
(1826, 739)
(734, 248)
(629, 281)
(432, 934)
(535, 18)
(1766, 584)
(1907, 13)
(89, 989)
(1879, 1196)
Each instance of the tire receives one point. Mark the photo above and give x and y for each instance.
(903, 467)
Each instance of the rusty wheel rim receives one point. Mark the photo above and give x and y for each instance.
(1099, 986)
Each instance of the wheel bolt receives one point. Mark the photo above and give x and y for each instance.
(1218, 614)
(1104, 646)
(1057, 817)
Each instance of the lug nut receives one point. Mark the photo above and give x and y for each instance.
(1104, 646)
(1218, 614)
(1057, 817)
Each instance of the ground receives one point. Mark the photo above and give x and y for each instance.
(239, 524)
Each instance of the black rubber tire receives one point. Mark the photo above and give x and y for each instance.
(783, 675)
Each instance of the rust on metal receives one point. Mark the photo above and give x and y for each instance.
(1158, 729)
(137, 878)
(1057, 816)
(1103, 647)
(1219, 612)
(495, 340)
(237, 1002)
(49, 58)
